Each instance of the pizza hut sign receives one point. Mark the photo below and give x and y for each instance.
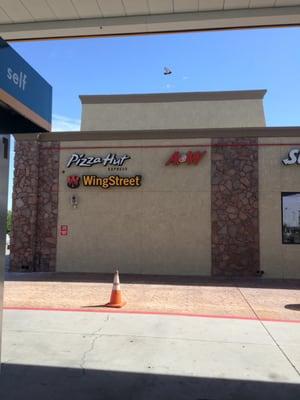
(293, 157)
(81, 160)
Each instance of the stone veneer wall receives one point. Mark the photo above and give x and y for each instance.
(234, 208)
(35, 206)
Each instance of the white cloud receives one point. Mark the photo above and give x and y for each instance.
(184, 78)
(169, 85)
(63, 123)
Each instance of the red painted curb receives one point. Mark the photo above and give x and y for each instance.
(175, 314)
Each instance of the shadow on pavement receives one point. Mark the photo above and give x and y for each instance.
(294, 307)
(250, 282)
(52, 383)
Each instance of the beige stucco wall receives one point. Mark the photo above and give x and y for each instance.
(277, 260)
(173, 115)
(163, 227)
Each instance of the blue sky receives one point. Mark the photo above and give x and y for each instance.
(205, 61)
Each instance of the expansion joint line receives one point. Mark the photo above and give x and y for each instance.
(268, 332)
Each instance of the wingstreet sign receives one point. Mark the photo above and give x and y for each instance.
(25, 97)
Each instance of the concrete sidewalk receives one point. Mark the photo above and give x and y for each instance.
(87, 356)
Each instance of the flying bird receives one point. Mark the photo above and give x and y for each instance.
(167, 71)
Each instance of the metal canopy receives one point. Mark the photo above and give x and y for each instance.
(25, 97)
(37, 19)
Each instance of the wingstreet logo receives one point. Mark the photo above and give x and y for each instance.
(114, 161)
(74, 181)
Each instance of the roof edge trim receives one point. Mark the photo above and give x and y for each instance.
(173, 97)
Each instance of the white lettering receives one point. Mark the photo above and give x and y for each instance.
(109, 159)
(74, 158)
(293, 158)
(123, 159)
(24, 81)
(83, 163)
(81, 160)
(19, 79)
(15, 78)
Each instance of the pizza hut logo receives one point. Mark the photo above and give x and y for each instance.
(81, 160)
(190, 158)
(73, 181)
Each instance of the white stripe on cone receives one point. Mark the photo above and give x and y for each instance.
(116, 283)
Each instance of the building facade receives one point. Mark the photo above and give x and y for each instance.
(176, 184)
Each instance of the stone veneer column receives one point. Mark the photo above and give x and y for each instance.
(35, 206)
(234, 212)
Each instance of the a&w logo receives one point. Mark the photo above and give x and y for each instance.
(189, 158)
(73, 181)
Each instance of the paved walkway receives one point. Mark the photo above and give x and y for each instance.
(91, 355)
(262, 299)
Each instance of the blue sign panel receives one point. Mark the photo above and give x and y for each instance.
(23, 90)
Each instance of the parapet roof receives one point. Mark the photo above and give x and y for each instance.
(173, 97)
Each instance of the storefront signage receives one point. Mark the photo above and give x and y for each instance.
(293, 157)
(75, 181)
(26, 95)
(81, 160)
(189, 158)
(64, 230)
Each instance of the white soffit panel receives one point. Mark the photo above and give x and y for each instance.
(210, 5)
(16, 11)
(262, 3)
(87, 8)
(112, 8)
(39, 10)
(284, 3)
(38, 19)
(160, 6)
(63, 9)
(136, 7)
(4, 18)
(186, 6)
(236, 4)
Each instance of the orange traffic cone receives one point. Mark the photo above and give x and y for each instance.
(116, 295)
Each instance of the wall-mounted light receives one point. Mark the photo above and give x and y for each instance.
(74, 201)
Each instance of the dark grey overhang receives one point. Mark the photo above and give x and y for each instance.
(13, 122)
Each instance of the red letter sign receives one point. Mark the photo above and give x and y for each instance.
(174, 159)
(64, 230)
(190, 158)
